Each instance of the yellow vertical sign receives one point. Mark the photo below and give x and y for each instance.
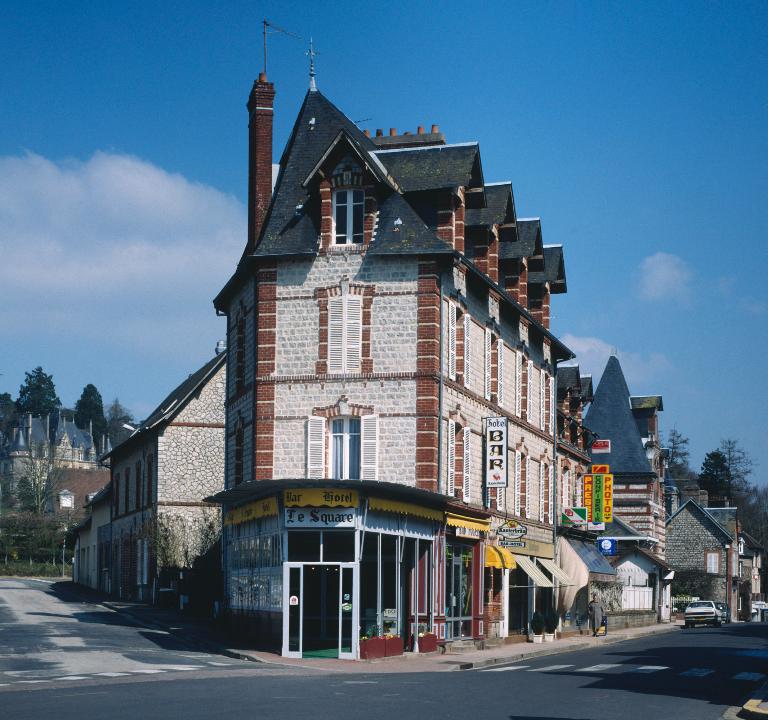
(588, 496)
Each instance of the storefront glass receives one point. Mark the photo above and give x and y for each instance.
(458, 590)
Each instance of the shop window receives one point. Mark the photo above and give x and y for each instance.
(345, 448)
(338, 546)
(304, 546)
(389, 587)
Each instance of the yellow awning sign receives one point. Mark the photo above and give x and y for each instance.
(404, 508)
(252, 511)
(499, 557)
(460, 521)
(320, 497)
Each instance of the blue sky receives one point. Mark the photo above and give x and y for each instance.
(636, 131)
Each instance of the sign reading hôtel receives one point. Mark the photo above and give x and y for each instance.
(496, 452)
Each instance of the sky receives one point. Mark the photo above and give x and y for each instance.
(637, 132)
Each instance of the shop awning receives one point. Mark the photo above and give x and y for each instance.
(467, 522)
(499, 557)
(532, 571)
(405, 508)
(557, 572)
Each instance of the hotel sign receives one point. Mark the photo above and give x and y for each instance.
(252, 511)
(317, 517)
(496, 452)
(320, 497)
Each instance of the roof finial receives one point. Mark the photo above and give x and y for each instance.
(311, 53)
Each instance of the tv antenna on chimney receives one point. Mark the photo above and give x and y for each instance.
(274, 29)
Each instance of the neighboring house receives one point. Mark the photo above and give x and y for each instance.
(160, 475)
(93, 544)
(74, 488)
(751, 564)
(388, 301)
(635, 459)
(702, 549)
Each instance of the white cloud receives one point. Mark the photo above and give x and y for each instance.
(642, 372)
(115, 249)
(664, 277)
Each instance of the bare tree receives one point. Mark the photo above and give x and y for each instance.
(739, 464)
(40, 479)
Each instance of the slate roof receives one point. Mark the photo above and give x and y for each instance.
(567, 377)
(706, 518)
(620, 528)
(434, 167)
(645, 553)
(610, 417)
(587, 391)
(499, 210)
(592, 557)
(725, 517)
(528, 243)
(554, 268)
(173, 402)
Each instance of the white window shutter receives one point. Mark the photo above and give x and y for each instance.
(541, 492)
(316, 448)
(500, 372)
(451, 341)
(487, 362)
(467, 348)
(518, 384)
(467, 464)
(552, 407)
(528, 492)
(518, 480)
(450, 485)
(336, 334)
(369, 447)
(542, 399)
(551, 493)
(529, 394)
(353, 326)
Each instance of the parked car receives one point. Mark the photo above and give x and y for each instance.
(723, 610)
(702, 612)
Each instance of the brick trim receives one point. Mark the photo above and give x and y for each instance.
(264, 400)
(330, 411)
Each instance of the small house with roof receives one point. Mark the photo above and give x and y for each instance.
(751, 568)
(93, 547)
(638, 489)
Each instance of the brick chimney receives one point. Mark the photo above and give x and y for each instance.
(260, 111)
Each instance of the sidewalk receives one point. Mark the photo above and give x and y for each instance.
(757, 706)
(204, 635)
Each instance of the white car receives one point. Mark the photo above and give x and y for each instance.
(702, 612)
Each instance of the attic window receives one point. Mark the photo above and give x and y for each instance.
(348, 210)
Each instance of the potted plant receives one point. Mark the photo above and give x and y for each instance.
(372, 644)
(551, 621)
(393, 645)
(427, 642)
(537, 627)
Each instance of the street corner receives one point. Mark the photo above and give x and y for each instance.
(757, 705)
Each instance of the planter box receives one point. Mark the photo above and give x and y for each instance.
(393, 646)
(549, 637)
(372, 648)
(537, 638)
(428, 643)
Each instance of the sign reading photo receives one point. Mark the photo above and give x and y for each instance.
(320, 517)
(496, 452)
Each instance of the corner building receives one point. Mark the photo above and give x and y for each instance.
(388, 301)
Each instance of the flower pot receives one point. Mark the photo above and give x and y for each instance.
(372, 648)
(393, 646)
(549, 637)
(537, 638)
(428, 643)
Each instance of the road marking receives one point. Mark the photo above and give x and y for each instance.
(148, 672)
(219, 664)
(72, 677)
(697, 672)
(649, 668)
(182, 667)
(549, 667)
(112, 674)
(506, 669)
(361, 682)
(30, 682)
(748, 676)
(599, 668)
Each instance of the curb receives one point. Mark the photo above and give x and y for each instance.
(751, 709)
(610, 640)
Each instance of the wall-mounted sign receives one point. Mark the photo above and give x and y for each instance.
(496, 452)
(510, 542)
(596, 526)
(319, 517)
(573, 516)
(601, 446)
(512, 529)
(588, 487)
(602, 498)
(467, 532)
(252, 511)
(607, 546)
(320, 497)
(600, 469)
(293, 600)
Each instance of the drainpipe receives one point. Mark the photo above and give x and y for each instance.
(553, 413)
(440, 395)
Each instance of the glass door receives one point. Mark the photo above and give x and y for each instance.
(458, 591)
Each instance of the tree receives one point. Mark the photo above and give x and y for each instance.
(39, 479)
(677, 463)
(37, 395)
(715, 476)
(90, 409)
(117, 416)
(7, 413)
(739, 465)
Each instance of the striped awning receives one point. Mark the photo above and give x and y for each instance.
(467, 522)
(499, 557)
(405, 508)
(557, 572)
(532, 571)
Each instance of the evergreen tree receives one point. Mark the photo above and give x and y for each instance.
(117, 416)
(37, 395)
(715, 476)
(739, 465)
(90, 409)
(7, 413)
(677, 444)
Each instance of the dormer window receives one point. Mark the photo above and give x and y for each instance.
(348, 207)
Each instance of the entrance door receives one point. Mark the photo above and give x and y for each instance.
(319, 610)
(458, 595)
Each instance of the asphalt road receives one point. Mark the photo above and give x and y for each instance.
(681, 675)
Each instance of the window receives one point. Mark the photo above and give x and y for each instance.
(713, 563)
(542, 399)
(518, 384)
(353, 448)
(345, 448)
(348, 212)
(450, 487)
(500, 372)
(345, 333)
(487, 363)
(542, 491)
(137, 503)
(127, 488)
(451, 341)
(149, 471)
(238, 469)
(529, 393)
(528, 492)
(466, 470)
(467, 347)
(240, 353)
(518, 480)
(116, 494)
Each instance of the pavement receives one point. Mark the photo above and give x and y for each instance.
(757, 705)
(206, 636)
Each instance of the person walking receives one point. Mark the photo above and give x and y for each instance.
(596, 613)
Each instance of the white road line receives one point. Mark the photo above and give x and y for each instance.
(219, 664)
(599, 668)
(550, 667)
(182, 667)
(72, 677)
(748, 676)
(112, 674)
(506, 669)
(649, 668)
(31, 682)
(697, 672)
(147, 672)
(360, 682)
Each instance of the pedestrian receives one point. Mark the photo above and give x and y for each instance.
(596, 613)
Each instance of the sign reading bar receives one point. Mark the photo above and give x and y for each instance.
(319, 497)
(252, 511)
(601, 446)
(588, 496)
(496, 452)
(573, 516)
(315, 517)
